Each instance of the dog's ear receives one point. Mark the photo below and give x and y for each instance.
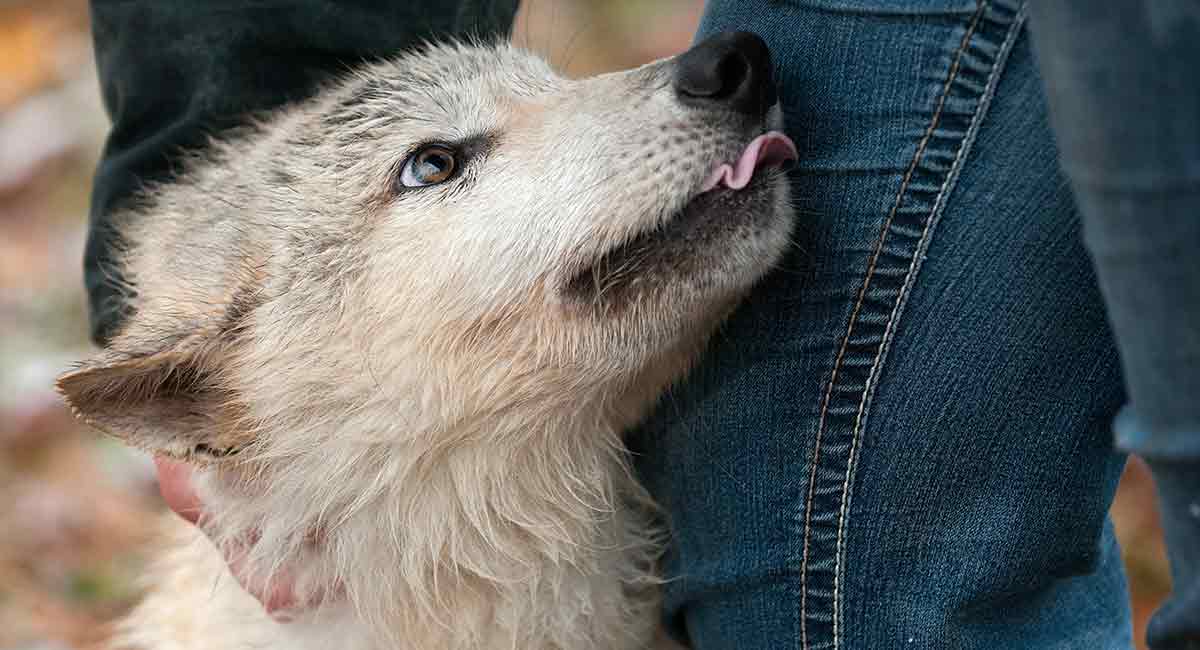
(166, 399)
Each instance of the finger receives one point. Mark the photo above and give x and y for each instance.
(276, 593)
(174, 483)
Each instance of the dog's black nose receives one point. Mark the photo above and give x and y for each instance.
(729, 70)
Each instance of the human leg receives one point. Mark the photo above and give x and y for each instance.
(901, 440)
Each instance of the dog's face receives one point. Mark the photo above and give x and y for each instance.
(460, 226)
(520, 214)
(455, 250)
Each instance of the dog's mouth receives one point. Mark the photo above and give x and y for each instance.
(771, 150)
(731, 197)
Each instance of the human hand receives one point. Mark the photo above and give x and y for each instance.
(278, 594)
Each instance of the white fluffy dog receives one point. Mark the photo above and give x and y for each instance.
(401, 327)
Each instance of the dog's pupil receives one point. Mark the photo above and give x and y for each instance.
(435, 165)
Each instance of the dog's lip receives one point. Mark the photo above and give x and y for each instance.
(771, 149)
(768, 151)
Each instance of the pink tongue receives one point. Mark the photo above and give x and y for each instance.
(770, 149)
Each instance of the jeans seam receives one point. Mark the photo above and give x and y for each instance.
(914, 269)
(862, 292)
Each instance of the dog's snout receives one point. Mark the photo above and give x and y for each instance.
(730, 70)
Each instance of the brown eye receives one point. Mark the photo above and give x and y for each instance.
(429, 166)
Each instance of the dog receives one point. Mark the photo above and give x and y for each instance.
(400, 327)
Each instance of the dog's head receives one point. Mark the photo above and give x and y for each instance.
(450, 243)
(450, 233)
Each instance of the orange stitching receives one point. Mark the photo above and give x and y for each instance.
(952, 74)
(914, 264)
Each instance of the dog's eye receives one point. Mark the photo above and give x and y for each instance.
(429, 166)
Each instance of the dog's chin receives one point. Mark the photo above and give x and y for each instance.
(689, 251)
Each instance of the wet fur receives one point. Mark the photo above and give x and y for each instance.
(420, 394)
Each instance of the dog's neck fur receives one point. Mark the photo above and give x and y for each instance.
(496, 517)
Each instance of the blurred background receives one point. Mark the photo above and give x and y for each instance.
(76, 509)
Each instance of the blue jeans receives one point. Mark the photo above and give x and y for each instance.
(904, 438)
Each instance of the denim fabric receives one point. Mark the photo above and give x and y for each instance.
(903, 439)
(1128, 126)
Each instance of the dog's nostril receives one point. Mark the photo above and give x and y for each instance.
(712, 77)
(733, 71)
(730, 70)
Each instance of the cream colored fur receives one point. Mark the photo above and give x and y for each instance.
(403, 391)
